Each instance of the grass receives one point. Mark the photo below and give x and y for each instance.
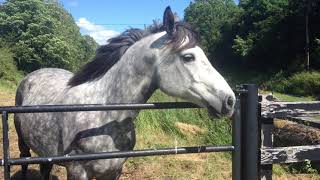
(7, 87)
(159, 128)
(218, 130)
(289, 98)
(292, 98)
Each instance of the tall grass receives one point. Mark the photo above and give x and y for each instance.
(157, 129)
(216, 131)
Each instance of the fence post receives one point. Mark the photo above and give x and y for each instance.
(266, 141)
(250, 133)
(5, 130)
(236, 142)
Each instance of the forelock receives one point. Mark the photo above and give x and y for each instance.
(184, 37)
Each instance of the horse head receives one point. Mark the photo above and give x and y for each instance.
(183, 69)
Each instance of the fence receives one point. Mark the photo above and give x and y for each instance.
(300, 112)
(248, 157)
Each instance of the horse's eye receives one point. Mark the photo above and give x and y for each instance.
(188, 57)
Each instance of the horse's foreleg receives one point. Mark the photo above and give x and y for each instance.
(24, 152)
(110, 176)
(75, 171)
(45, 170)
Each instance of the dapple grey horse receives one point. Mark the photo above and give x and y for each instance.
(126, 70)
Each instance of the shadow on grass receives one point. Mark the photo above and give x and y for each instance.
(31, 175)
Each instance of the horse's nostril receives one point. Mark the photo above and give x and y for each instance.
(230, 101)
(228, 105)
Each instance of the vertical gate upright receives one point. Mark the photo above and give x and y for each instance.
(246, 134)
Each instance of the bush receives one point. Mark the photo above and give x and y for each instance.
(277, 83)
(8, 69)
(301, 84)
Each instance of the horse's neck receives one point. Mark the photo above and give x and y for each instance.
(131, 80)
(127, 82)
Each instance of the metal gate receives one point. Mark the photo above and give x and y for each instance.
(245, 134)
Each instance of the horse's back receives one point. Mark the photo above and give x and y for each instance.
(42, 86)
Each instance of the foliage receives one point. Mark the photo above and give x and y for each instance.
(301, 84)
(264, 35)
(258, 42)
(303, 167)
(43, 34)
(8, 71)
(275, 29)
(215, 20)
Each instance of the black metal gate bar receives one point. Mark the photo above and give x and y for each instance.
(236, 142)
(250, 133)
(5, 143)
(98, 107)
(95, 107)
(120, 154)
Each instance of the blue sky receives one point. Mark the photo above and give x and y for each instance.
(103, 19)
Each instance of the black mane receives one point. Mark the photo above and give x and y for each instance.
(109, 54)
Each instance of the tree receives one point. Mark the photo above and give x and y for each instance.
(272, 33)
(88, 47)
(215, 20)
(309, 10)
(262, 37)
(43, 34)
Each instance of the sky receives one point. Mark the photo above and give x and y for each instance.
(103, 19)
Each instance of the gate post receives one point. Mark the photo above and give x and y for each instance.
(266, 141)
(250, 133)
(236, 142)
(5, 130)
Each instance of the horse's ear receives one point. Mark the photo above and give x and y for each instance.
(169, 21)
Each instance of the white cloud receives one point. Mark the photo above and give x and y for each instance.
(97, 32)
